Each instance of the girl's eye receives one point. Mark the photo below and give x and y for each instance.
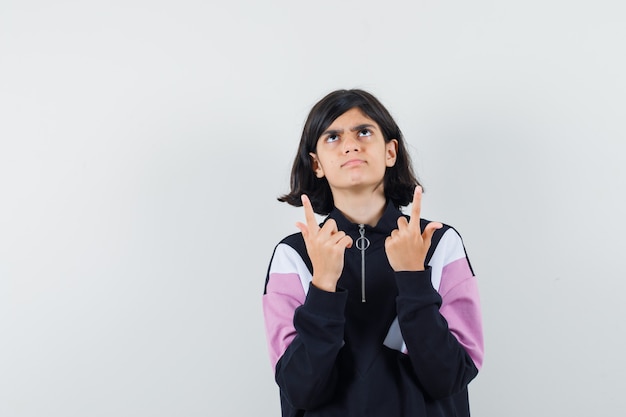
(332, 138)
(365, 132)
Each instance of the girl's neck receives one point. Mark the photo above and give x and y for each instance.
(361, 208)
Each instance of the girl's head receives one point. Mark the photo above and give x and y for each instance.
(399, 180)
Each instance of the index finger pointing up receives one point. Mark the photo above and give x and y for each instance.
(309, 215)
(416, 208)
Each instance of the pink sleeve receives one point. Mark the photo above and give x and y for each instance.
(461, 307)
(283, 295)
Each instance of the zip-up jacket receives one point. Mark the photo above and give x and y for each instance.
(386, 343)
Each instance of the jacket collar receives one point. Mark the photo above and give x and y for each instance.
(385, 225)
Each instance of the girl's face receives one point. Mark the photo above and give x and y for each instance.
(352, 153)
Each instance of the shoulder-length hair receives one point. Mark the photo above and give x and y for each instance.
(400, 180)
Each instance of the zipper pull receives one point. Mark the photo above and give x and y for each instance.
(362, 243)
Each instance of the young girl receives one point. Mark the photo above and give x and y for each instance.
(371, 313)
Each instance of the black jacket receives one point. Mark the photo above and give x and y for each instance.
(339, 361)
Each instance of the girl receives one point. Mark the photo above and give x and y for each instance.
(371, 313)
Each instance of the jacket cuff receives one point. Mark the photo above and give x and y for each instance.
(327, 304)
(414, 282)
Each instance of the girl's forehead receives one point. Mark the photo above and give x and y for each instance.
(352, 115)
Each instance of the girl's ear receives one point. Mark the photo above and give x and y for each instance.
(391, 150)
(317, 167)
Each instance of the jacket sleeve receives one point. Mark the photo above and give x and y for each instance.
(442, 330)
(304, 332)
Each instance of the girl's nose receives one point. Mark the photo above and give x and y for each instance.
(351, 144)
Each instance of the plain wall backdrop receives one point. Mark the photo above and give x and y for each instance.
(143, 145)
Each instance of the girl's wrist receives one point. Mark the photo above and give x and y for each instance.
(325, 285)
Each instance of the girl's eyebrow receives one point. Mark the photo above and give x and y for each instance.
(354, 129)
(332, 132)
(363, 126)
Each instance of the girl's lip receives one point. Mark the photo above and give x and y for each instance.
(353, 162)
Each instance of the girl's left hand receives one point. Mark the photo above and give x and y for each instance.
(407, 246)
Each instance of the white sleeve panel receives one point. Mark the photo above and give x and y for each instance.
(287, 260)
(449, 249)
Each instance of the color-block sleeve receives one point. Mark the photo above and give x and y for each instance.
(284, 292)
(305, 328)
(443, 333)
(461, 308)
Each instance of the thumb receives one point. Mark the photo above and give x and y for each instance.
(429, 230)
(303, 229)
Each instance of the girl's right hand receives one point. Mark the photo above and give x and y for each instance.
(326, 247)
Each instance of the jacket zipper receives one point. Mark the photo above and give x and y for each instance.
(362, 243)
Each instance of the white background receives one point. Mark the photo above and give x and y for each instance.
(143, 145)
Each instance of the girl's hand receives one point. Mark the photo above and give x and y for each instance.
(326, 247)
(407, 246)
